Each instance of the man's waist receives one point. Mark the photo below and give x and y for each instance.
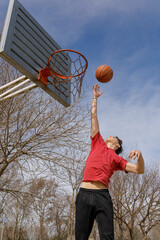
(93, 185)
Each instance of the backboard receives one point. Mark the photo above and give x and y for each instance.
(27, 46)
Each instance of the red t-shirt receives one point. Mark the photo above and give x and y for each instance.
(102, 162)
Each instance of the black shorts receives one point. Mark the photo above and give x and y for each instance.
(94, 204)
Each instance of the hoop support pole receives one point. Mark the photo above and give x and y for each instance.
(7, 85)
(14, 88)
(19, 92)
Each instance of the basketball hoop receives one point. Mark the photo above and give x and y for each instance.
(67, 69)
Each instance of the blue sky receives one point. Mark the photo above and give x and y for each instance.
(125, 35)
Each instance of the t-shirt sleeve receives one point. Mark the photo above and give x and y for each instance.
(97, 138)
(120, 163)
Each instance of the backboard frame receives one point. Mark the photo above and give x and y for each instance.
(27, 46)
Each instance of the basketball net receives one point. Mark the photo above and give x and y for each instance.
(65, 71)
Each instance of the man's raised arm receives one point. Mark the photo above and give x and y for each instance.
(94, 118)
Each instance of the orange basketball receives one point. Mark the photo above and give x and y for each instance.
(104, 73)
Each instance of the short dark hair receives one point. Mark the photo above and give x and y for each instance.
(120, 149)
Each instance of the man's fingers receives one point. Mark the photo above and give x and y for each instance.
(96, 92)
(131, 154)
(94, 86)
(134, 154)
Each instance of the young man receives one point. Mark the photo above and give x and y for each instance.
(93, 200)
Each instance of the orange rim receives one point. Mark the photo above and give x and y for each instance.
(67, 76)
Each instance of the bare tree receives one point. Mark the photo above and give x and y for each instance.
(149, 214)
(136, 203)
(73, 178)
(69, 175)
(43, 192)
(34, 127)
(15, 211)
(36, 136)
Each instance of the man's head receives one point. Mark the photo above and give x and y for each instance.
(115, 143)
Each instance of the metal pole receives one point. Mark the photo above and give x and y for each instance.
(14, 88)
(19, 92)
(22, 78)
(2, 229)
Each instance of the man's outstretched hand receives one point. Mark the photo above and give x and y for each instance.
(135, 154)
(96, 92)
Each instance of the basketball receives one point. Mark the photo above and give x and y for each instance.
(104, 73)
